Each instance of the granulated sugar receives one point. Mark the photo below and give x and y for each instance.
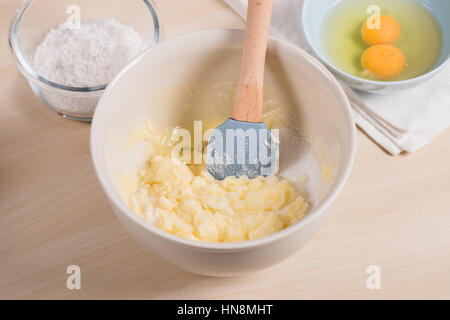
(300, 165)
(85, 57)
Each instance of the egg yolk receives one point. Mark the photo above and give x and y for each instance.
(387, 33)
(384, 61)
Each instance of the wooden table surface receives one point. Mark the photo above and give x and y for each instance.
(394, 212)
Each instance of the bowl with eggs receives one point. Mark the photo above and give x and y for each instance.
(379, 46)
(148, 140)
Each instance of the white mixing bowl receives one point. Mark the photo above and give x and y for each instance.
(214, 56)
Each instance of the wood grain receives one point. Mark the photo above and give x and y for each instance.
(393, 212)
(248, 106)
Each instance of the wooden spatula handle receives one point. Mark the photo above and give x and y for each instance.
(248, 105)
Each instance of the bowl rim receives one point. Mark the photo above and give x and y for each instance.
(27, 70)
(97, 153)
(426, 76)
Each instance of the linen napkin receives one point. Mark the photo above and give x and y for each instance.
(398, 122)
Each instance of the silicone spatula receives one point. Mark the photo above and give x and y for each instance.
(243, 145)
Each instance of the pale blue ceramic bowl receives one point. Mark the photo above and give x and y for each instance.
(313, 15)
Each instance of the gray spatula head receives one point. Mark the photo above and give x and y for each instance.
(238, 148)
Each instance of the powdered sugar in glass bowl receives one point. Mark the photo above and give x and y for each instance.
(35, 18)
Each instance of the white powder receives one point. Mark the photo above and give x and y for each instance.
(88, 56)
(300, 165)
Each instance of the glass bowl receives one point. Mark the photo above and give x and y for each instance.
(34, 19)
